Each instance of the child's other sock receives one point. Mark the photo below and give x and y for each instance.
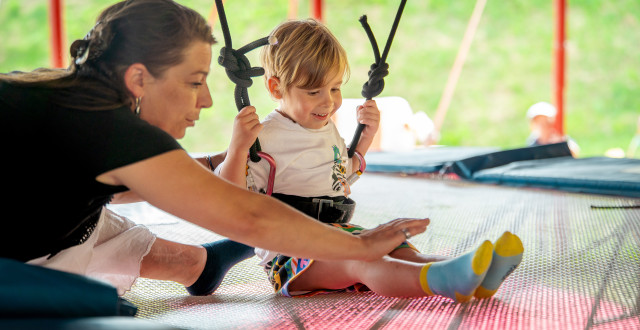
(457, 278)
(507, 255)
(221, 256)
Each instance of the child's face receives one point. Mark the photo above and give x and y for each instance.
(313, 108)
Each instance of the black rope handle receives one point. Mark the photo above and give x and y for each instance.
(379, 69)
(239, 70)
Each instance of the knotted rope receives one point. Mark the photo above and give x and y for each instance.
(239, 70)
(379, 69)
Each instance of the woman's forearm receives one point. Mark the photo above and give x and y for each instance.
(278, 227)
(180, 186)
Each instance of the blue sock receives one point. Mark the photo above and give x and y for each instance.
(457, 278)
(221, 256)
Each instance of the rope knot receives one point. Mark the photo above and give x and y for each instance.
(238, 68)
(375, 85)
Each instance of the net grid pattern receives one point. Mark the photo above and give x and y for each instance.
(581, 266)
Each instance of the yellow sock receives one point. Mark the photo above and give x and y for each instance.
(507, 255)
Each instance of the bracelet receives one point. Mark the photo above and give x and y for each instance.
(208, 157)
(363, 163)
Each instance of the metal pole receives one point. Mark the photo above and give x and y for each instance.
(316, 9)
(559, 61)
(56, 33)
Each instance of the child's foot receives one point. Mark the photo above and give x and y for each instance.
(457, 278)
(221, 256)
(507, 255)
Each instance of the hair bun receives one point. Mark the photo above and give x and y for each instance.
(80, 51)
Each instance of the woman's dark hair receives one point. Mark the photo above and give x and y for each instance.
(152, 32)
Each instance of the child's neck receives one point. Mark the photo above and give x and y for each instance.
(284, 114)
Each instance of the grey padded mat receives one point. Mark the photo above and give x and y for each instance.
(581, 266)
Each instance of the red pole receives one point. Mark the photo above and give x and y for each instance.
(316, 9)
(559, 61)
(56, 34)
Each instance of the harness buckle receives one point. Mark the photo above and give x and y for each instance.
(321, 202)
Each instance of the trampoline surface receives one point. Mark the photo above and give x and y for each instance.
(581, 265)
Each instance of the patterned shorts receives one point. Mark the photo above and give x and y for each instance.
(283, 270)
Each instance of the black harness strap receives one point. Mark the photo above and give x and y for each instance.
(379, 69)
(239, 70)
(323, 208)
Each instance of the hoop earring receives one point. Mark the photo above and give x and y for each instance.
(137, 110)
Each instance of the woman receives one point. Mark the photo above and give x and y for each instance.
(108, 125)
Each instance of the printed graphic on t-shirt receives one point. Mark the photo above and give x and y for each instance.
(339, 174)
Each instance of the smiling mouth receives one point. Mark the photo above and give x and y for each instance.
(321, 116)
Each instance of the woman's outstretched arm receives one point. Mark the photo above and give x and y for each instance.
(178, 184)
(209, 161)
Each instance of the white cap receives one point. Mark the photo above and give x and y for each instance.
(541, 109)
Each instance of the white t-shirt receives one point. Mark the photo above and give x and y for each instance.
(309, 162)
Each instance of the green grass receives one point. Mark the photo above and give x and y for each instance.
(508, 67)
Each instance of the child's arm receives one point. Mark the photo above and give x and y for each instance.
(246, 127)
(369, 115)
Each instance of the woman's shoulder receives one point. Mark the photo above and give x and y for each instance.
(21, 105)
(16, 94)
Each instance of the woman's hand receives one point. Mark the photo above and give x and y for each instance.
(383, 239)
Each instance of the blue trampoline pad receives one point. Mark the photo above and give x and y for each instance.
(598, 175)
(427, 160)
(547, 166)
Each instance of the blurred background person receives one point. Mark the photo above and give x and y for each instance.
(542, 116)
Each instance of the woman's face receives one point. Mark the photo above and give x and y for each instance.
(173, 102)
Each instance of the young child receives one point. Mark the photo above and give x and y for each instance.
(304, 72)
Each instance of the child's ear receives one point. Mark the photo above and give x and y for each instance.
(273, 84)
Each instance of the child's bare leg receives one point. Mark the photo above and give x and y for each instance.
(410, 254)
(387, 276)
(456, 278)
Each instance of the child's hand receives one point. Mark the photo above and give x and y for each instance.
(246, 127)
(369, 115)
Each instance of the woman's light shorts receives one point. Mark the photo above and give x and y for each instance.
(112, 253)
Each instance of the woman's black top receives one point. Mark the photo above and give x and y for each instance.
(50, 162)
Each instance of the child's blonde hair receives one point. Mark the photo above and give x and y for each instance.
(304, 55)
